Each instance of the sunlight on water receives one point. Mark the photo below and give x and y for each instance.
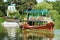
(56, 35)
(57, 32)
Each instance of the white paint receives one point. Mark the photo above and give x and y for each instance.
(11, 28)
(11, 8)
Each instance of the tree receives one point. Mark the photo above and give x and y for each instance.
(4, 5)
(1, 13)
(57, 22)
(54, 14)
(44, 5)
(56, 5)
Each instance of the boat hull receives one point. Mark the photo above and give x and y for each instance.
(48, 26)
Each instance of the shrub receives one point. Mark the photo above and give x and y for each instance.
(14, 14)
(1, 13)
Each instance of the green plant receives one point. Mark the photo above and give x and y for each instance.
(1, 27)
(1, 13)
(14, 14)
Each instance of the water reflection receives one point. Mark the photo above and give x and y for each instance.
(34, 35)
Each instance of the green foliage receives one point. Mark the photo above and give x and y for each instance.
(1, 14)
(56, 5)
(57, 24)
(21, 7)
(1, 3)
(14, 14)
(54, 14)
(1, 21)
(23, 16)
(24, 1)
(44, 5)
(18, 30)
(58, 17)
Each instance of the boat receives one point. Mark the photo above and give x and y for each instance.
(37, 19)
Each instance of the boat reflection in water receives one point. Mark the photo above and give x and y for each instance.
(37, 35)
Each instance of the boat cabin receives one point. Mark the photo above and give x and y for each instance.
(37, 19)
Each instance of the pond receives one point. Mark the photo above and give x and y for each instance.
(55, 35)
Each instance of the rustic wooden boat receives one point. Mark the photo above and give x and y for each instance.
(38, 16)
(48, 26)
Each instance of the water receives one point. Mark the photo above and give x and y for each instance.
(35, 36)
(56, 35)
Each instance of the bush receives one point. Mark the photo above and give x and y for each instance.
(14, 14)
(1, 28)
(1, 13)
